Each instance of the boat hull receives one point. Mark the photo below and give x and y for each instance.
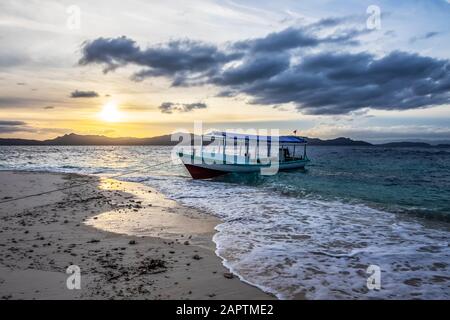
(204, 170)
(198, 172)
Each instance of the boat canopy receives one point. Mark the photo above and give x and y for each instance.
(281, 139)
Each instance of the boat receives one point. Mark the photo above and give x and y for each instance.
(220, 153)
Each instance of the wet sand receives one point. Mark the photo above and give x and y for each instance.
(128, 240)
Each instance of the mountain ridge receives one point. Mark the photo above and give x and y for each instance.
(73, 139)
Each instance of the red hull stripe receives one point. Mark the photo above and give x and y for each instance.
(203, 173)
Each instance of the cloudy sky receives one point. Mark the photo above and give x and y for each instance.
(143, 68)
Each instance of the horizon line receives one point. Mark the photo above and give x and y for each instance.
(386, 141)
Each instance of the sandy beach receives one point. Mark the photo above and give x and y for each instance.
(128, 240)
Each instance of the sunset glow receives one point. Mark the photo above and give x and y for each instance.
(110, 112)
(320, 69)
(225, 149)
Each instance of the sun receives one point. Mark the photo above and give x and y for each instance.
(110, 112)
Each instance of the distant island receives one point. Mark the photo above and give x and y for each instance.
(73, 139)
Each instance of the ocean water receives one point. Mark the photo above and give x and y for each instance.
(310, 232)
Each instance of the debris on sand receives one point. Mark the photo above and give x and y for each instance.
(152, 266)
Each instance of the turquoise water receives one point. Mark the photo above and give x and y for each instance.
(310, 232)
(415, 181)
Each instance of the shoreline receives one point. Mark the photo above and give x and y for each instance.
(129, 241)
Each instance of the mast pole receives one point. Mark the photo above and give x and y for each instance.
(224, 147)
(257, 149)
(247, 142)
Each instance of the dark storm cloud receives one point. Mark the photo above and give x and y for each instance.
(11, 123)
(110, 52)
(278, 41)
(330, 83)
(182, 60)
(431, 34)
(227, 93)
(426, 36)
(8, 129)
(292, 38)
(328, 22)
(252, 69)
(272, 72)
(190, 62)
(83, 94)
(9, 126)
(191, 106)
(169, 107)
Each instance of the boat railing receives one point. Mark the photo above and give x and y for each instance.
(241, 151)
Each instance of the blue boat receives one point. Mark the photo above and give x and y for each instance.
(219, 153)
